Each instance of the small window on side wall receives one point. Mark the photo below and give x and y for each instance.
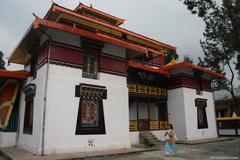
(29, 91)
(28, 116)
(198, 87)
(201, 105)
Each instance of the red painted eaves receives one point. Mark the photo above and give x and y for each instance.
(94, 35)
(190, 65)
(82, 6)
(147, 68)
(55, 8)
(14, 74)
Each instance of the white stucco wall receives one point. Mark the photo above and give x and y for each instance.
(7, 139)
(176, 112)
(191, 115)
(62, 112)
(134, 137)
(183, 114)
(26, 141)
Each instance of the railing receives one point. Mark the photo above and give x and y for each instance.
(163, 124)
(147, 90)
(152, 125)
(133, 126)
(228, 126)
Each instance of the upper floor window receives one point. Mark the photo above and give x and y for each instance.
(92, 50)
(198, 86)
(90, 65)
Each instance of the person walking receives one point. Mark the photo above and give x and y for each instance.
(170, 146)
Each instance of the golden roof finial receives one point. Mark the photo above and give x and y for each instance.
(173, 61)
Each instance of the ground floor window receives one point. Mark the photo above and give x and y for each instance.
(28, 117)
(201, 105)
(29, 91)
(90, 113)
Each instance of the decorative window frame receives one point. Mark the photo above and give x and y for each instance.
(87, 93)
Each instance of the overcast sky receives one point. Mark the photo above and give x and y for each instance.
(167, 21)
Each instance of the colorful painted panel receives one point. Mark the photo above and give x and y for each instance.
(90, 113)
(8, 95)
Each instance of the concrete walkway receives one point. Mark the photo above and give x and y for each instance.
(219, 139)
(18, 154)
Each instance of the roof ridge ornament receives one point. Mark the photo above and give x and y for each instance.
(173, 61)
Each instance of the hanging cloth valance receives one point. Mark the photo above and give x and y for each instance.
(8, 94)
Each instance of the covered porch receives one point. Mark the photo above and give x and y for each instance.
(147, 108)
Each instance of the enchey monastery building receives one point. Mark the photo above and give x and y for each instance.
(89, 84)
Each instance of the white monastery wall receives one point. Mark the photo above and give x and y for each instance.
(7, 139)
(191, 115)
(183, 114)
(134, 137)
(62, 112)
(176, 112)
(26, 141)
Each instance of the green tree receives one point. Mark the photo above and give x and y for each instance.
(232, 10)
(2, 63)
(221, 41)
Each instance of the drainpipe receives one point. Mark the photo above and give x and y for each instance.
(45, 93)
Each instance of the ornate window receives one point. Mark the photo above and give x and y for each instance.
(201, 105)
(90, 113)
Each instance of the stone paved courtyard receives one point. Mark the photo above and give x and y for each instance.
(227, 149)
(213, 151)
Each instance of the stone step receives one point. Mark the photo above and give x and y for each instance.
(150, 139)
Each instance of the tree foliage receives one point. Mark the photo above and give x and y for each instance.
(2, 63)
(221, 41)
